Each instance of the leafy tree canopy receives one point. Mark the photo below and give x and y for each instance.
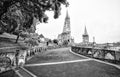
(32, 42)
(19, 14)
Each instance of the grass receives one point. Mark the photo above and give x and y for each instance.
(56, 55)
(79, 69)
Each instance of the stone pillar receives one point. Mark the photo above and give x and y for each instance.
(17, 57)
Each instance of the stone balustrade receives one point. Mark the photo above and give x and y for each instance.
(102, 54)
(17, 57)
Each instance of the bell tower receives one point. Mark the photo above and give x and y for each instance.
(85, 37)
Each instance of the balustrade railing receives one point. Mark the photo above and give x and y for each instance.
(102, 54)
(16, 58)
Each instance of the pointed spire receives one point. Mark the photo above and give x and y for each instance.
(85, 32)
(66, 27)
(93, 39)
(67, 15)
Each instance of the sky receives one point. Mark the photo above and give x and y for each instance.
(101, 18)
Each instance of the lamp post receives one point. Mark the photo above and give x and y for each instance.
(93, 46)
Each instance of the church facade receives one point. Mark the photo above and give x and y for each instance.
(65, 36)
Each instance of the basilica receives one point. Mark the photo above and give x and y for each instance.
(65, 36)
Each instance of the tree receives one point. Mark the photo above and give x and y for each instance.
(32, 42)
(18, 15)
(55, 41)
(1, 31)
(25, 35)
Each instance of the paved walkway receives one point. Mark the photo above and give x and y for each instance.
(22, 72)
(68, 57)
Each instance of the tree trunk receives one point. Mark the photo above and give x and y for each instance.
(17, 38)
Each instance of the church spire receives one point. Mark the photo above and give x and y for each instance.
(67, 15)
(66, 27)
(85, 31)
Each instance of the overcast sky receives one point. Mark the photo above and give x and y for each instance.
(101, 17)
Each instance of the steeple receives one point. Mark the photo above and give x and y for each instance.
(66, 27)
(67, 15)
(85, 37)
(85, 31)
(93, 39)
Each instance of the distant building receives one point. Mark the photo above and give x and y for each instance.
(85, 37)
(116, 48)
(109, 46)
(42, 39)
(65, 36)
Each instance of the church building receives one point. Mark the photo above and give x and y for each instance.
(85, 37)
(65, 36)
